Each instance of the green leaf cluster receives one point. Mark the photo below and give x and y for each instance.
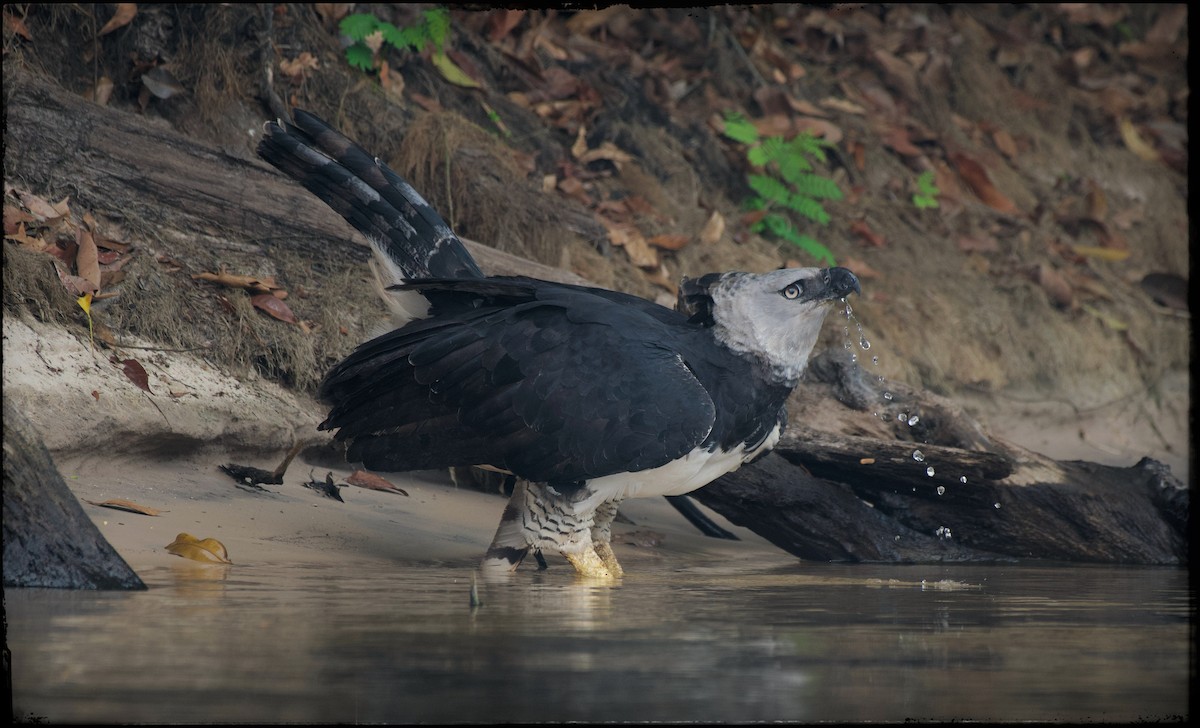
(787, 184)
(927, 191)
(432, 30)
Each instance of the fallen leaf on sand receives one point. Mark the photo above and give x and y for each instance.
(363, 479)
(206, 549)
(137, 374)
(976, 177)
(260, 284)
(274, 307)
(127, 505)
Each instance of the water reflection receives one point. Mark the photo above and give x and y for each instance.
(811, 642)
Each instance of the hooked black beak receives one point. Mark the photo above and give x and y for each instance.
(840, 282)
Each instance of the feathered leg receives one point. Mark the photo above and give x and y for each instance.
(602, 536)
(538, 518)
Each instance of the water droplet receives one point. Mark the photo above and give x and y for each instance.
(853, 358)
(962, 479)
(902, 417)
(887, 395)
(997, 505)
(897, 537)
(929, 472)
(943, 532)
(875, 361)
(918, 456)
(862, 341)
(941, 488)
(913, 420)
(846, 345)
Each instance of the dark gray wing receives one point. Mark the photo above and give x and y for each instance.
(372, 198)
(551, 382)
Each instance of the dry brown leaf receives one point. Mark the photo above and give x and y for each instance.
(104, 90)
(1130, 216)
(1097, 202)
(1005, 143)
(982, 243)
(40, 209)
(976, 177)
(273, 307)
(819, 128)
(332, 12)
(15, 218)
(260, 284)
(774, 125)
(607, 150)
(207, 549)
(87, 263)
(121, 504)
(502, 22)
(297, 68)
(629, 238)
(75, 285)
(124, 13)
(363, 479)
(17, 26)
(669, 241)
(1055, 285)
(1171, 20)
(136, 373)
(842, 105)
(896, 138)
(863, 230)
(37, 245)
(580, 146)
(663, 279)
(713, 229)
(573, 188)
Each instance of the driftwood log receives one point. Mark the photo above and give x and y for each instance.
(48, 539)
(824, 495)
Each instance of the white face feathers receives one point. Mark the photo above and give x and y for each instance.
(777, 316)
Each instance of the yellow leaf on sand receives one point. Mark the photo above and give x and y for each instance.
(207, 549)
(1136, 144)
(451, 72)
(1110, 254)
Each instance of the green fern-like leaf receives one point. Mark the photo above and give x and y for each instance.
(739, 129)
(793, 166)
(358, 25)
(768, 188)
(778, 225)
(437, 26)
(809, 208)
(816, 186)
(806, 145)
(818, 251)
(757, 156)
(413, 37)
(360, 56)
(774, 148)
(927, 192)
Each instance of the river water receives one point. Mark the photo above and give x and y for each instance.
(803, 642)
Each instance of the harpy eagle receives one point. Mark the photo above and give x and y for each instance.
(587, 396)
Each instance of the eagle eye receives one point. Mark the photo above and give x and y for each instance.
(793, 291)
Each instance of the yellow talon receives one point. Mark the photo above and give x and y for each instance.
(588, 563)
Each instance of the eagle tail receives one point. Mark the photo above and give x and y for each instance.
(410, 239)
